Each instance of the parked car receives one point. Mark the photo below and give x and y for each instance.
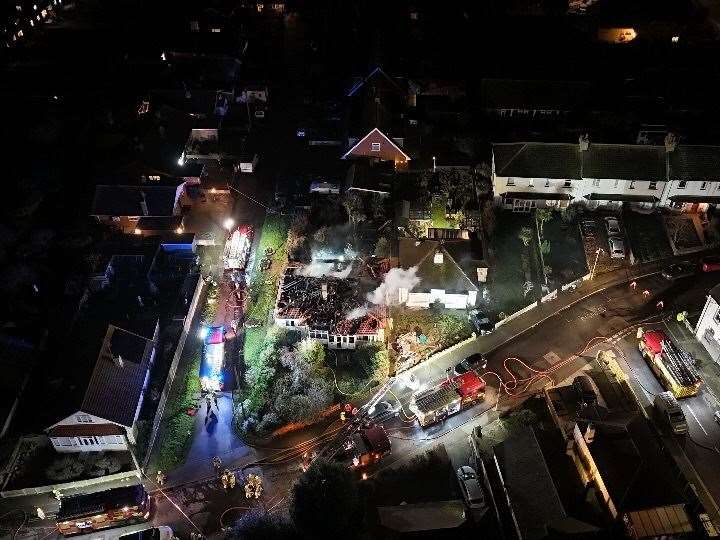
(471, 363)
(588, 228)
(613, 226)
(617, 247)
(480, 322)
(470, 486)
(679, 270)
(383, 410)
(710, 264)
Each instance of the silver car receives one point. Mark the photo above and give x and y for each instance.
(617, 247)
(470, 486)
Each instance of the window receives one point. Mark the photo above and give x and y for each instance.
(652, 185)
(617, 182)
(351, 339)
(375, 147)
(717, 316)
(703, 185)
(65, 441)
(547, 183)
(154, 178)
(631, 184)
(681, 184)
(567, 184)
(83, 419)
(596, 182)
(531, 182)
(511, 182)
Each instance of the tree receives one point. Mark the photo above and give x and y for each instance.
(355, 208)
(525, 236)
(489, 218)
(382, 248)
(325, 502)
(542, 215)
(545, 247)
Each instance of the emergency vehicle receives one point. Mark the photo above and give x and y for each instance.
(671, 364)
(237, 248)
(447, 397)
(213, 359)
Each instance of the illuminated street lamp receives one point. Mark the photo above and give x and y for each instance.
(228, 223)
(203, 332)
(181, 159)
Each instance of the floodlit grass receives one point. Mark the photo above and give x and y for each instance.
(438, 213)
(264, 284)
(176, 432)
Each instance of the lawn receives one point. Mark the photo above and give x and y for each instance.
(176, 429)
(264, 283)
(567, 255)
(511, 270)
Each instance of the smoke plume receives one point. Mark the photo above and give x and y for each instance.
(320, 269)
(356, 313)
(395, 279)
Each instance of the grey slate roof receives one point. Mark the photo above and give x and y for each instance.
(567, 161)
(537, 160)
(695, 163)
(115, 390)
(534, 496)
(624, 162)
(125, 200)
(450, 275)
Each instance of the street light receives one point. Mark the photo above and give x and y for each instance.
(228, 223)
(433, 163)
(598, 251)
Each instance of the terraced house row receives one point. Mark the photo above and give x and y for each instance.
(527, 175)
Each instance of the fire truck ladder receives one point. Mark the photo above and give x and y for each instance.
(679, 363)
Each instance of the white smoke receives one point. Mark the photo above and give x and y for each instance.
(395, 279)
(356, 313)
(320, 269)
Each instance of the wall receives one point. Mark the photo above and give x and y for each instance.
(707, 322)
(199, 291)
(692, 188)
(111, 443)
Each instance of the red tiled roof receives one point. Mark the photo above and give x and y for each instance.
(82, 430)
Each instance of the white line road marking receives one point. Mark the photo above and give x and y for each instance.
(696, 419)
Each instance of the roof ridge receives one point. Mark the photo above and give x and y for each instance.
(522, 148)
(442, 246)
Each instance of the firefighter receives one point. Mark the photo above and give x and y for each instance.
(660, 305)
(231, 479)
(646, 294)
(633, 285)
(217, 463)
(160, 478)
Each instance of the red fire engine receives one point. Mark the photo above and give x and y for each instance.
(671, 364)
(447, 397)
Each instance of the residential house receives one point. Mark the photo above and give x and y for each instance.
(380, 124)
(450, 266)
(529, 175)
(523, 464)
(707, 330)
(693, 177)
(107, 417)
(511, 98)
(330, 309)
(123, 206)
(366, 177)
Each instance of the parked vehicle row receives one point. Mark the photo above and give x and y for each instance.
(684, 269)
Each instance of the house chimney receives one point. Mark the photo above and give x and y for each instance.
(584, 142)
(670, 142)
(143, 204)
(118, 360)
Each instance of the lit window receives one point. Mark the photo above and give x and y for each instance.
(83, 418)
(154, 178)
(652, 185)
(703, 185)
(375, 147)
(682, 184)
(531, 182)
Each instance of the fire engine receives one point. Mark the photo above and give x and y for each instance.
(237, 248)
(447, 397)
(671, 364)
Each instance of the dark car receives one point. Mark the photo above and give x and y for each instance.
(471, 363)
(710, 264)
(480, 322)
(585, 390)
(678, 271)
(383, 410)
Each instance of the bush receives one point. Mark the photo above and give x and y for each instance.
(256, 524)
